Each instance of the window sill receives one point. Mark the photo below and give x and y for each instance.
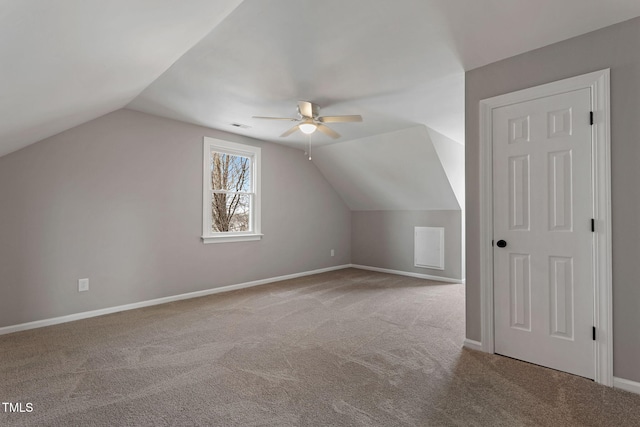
(231, 238)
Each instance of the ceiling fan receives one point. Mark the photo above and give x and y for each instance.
(310, 120)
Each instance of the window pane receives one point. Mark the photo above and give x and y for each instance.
(230, 172)
(230, 212)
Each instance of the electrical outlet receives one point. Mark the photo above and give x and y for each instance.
(83, 285)
(333, 252)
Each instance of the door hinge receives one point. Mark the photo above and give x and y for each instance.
(492, 243)
(591, 117)
(593, 225)
(594, 333)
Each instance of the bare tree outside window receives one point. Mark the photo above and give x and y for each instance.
(232, 192)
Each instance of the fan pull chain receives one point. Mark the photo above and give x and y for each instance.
(309, 143)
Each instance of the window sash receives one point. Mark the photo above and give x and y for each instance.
(250, 224)
(251, 193)
(234, 153)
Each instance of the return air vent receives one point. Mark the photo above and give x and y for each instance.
(429, 247)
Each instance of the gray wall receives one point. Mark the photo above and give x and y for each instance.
(616, 47)
(384, 239)
(119, 200)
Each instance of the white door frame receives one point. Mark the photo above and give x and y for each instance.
(598, 82)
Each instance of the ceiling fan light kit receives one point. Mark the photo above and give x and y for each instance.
(310, 120)
(307, 128)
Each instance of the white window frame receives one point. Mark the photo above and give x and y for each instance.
(232, 148)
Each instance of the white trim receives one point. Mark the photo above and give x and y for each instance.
(598, 83)
(110, 310)
(473, 345)
(157, 301)
(406, 273)
(628, 385)
(233, 148)
(231, 238)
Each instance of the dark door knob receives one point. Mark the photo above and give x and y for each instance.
(502, 244)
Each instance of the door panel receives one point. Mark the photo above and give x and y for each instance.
(520, 291)
(543, 278)
(519, 193)
(560, 191)
(561, 282)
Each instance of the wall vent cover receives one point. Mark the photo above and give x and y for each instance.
(429, 247)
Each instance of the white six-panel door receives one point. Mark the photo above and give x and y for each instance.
(542, 210)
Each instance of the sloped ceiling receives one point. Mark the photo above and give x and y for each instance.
(400, 170)
(451, 156)
(398, 63)
(65, 62)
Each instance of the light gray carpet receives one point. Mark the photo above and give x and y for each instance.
(346, 348)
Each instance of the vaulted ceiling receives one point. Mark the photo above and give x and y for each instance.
(65, 62)
(400, 64)
(413, 169)
(215, 62)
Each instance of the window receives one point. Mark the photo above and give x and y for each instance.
(231, 192)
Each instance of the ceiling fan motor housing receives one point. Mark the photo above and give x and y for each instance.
(315, 110)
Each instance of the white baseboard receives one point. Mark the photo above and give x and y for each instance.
(94, 313)
(473, 345)
(406, 273)
(628, 385)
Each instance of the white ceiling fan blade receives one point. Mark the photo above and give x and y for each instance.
(328, 131)
(290, 131)
(340, 119)
(275, 118)
(305, 108)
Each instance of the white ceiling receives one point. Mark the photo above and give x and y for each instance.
(65, 62)
(397, 63)
(400, 170)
